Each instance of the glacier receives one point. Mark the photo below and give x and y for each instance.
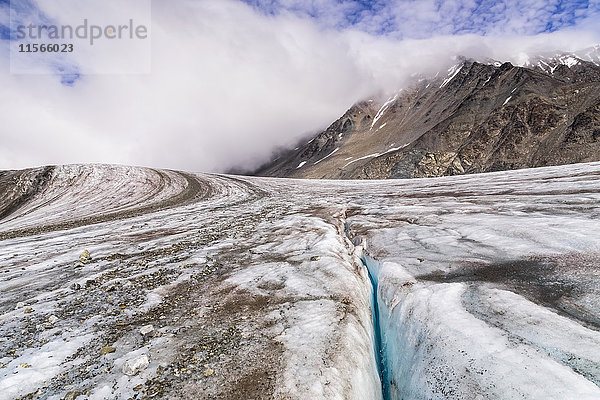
(470, 287)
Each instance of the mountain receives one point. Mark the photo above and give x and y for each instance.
(479, 117)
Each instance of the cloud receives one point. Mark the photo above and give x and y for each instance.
(230, 85)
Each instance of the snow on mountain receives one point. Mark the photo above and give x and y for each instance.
(549, 62)
(452, 72)
(466, 287)
(475, 117)
(382, 109)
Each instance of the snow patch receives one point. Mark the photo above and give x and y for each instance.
(452, 72)
(383, 109)
(394, 149)
(362, 158)
(568, 60)
(328, 155)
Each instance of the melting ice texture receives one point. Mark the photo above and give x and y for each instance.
(488, 285)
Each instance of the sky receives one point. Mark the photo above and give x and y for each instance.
(227, 84)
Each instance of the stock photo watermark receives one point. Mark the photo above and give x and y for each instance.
(79, 37)
(84, 31)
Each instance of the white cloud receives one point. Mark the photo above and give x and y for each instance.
(228, 86)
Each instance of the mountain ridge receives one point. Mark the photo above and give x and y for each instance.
(480, 117)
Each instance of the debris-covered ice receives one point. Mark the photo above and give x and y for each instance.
(121, 282)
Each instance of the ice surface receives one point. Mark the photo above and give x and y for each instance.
(488, 286)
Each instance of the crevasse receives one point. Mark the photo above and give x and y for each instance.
(372, 267)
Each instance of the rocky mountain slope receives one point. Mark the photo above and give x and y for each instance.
(479, 117)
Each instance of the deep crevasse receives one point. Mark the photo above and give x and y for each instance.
(378, 348)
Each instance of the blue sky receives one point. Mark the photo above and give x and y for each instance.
(426, 18)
